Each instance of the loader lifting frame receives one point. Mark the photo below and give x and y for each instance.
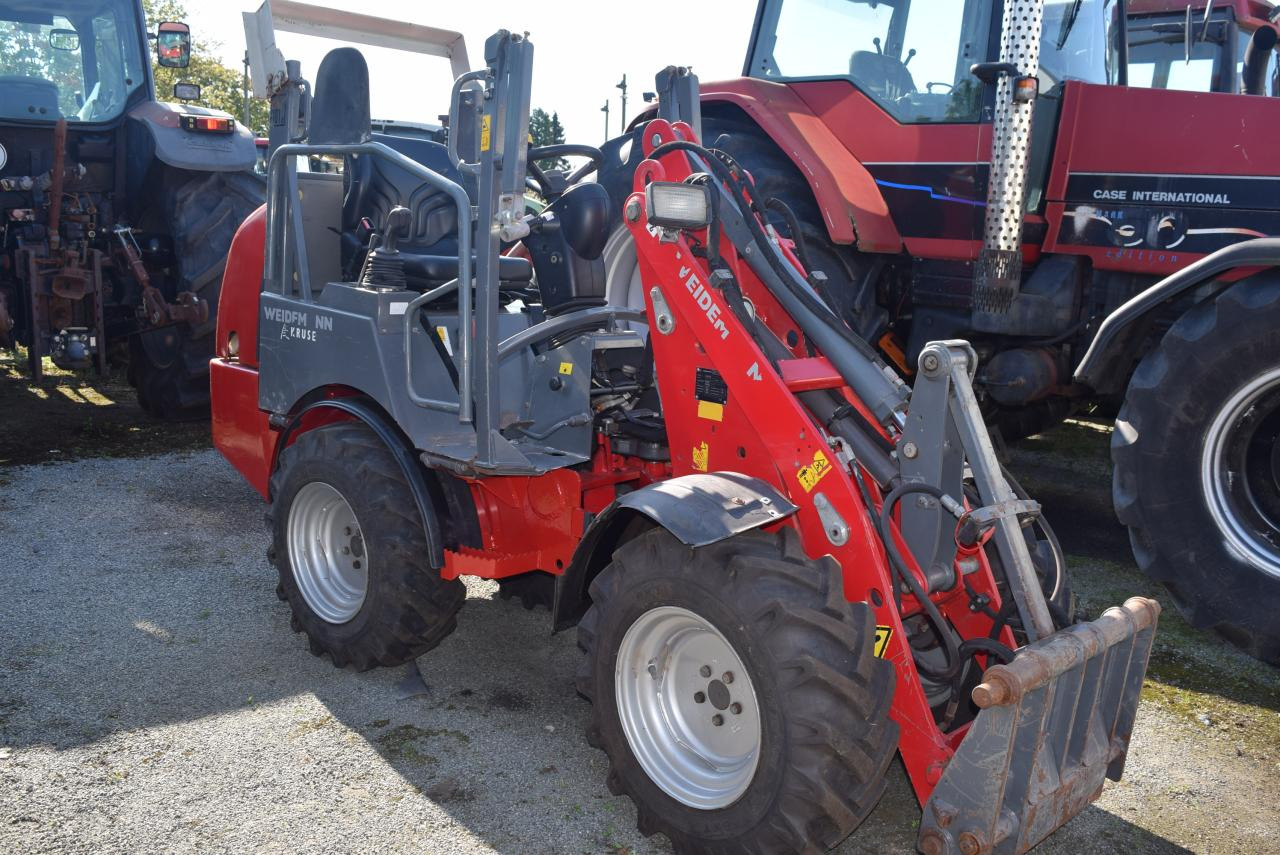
(1052, 722)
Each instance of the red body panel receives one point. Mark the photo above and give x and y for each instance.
(241, 285)
(240, 429)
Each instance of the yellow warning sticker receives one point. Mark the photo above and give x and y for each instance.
(701, 457)
(486, 132)
(711, 410)
(566, 367)
(883, 634)
(810, 475)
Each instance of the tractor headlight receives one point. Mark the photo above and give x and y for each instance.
(673, 205)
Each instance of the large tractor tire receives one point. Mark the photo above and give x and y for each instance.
(1197, 465)
(736, 693)
(170, 366)
(348, 542)
(848, 272)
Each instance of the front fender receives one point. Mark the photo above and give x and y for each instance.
(851, 203)
(698, 509)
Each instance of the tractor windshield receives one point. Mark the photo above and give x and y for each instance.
(73, 59)
(913, 56)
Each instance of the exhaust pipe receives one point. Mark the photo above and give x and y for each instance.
(1257, 56)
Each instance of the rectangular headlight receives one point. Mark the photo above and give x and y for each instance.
(674, 205)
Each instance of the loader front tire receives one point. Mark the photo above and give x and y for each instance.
(736, 693)
(349, 546)
(1197, 465)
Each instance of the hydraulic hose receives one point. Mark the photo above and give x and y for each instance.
(955, 660)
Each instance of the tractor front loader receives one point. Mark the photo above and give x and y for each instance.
(783, 564)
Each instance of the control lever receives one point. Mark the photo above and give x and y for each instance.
(383, 267)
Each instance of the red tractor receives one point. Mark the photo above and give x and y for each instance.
(1203, 46)
(784, 565)
(953, 182)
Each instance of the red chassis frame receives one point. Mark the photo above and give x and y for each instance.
(762, 430)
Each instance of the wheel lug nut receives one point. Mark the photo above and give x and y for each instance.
(705, 670)
(727, 677)
(355, 564)
(347, 531)
(735, 708)
(717, 719)
(346, 550)
(699, 697)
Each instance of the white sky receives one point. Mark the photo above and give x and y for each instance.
(581, 50)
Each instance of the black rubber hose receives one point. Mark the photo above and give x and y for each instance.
(954, 660)
(989, 646)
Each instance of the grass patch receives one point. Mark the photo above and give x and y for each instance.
(1193, 674)
(70, 415)
(404, 742)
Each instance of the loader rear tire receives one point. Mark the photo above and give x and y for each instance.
(1197, 465)
(348, 543)
(753, 632)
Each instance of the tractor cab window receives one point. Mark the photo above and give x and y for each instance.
(911, 56)
(75, 59)
(1080, 41)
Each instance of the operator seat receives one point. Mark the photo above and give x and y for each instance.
(882, 75)
(372, 186)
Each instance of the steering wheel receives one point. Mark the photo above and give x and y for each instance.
(929, 86)
(551, 186)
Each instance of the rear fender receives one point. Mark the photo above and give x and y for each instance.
(698, 509)
(1105, 366)
(328, 410)
(852, 206)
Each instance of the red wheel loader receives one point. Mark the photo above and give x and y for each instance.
(783, 564)
(975, 170)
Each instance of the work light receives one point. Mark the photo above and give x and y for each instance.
(673, 205)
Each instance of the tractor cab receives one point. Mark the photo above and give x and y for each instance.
(1203, 47)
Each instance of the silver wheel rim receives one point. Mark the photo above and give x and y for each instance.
(688, 708)
(327, 553)
(1222, 481)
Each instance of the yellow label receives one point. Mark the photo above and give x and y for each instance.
(566, 367)
(810, 475)
(883, 634)
(701, 457)
(486, 132)
(711, 410)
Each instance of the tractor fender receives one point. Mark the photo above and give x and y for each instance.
(365, 411)
(852, 205)
(199, 152)
(1105, 366)
(698, 509)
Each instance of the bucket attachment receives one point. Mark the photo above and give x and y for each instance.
(1053, 723)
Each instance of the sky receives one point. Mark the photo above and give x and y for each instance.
(582, 48)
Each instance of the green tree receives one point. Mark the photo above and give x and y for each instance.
(221, 87)
(547, 130)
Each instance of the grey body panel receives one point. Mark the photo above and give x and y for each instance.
(198, 152)
(353, 338)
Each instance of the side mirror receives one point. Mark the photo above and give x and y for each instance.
(186, 91)
(173, 45)
(68, 40)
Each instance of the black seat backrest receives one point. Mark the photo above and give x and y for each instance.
(373, 186)
(340, 108)
(881, 75)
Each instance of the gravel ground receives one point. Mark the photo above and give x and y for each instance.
(154, 699)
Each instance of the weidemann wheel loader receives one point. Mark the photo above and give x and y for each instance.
(783, 564)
